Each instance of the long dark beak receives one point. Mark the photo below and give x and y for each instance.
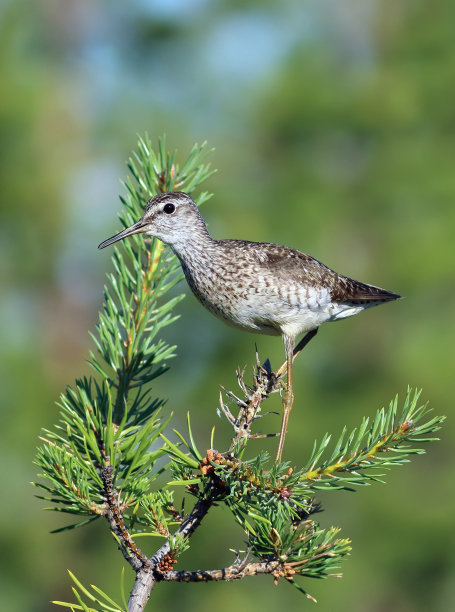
(137, 228)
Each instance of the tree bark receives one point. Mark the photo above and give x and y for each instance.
(143, 586)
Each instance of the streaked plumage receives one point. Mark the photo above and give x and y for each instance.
(258, 287)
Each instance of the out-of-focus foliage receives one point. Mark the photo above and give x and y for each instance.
(332, 122)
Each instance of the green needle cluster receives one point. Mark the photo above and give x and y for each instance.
(104, 455)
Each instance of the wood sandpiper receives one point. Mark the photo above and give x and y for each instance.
(255, 286)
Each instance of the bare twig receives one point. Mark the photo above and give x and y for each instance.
(187, 528)
(233, 572)
(265, 383)
(113, 514)
(149, 574)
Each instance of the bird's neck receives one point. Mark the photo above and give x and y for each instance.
(194, 246)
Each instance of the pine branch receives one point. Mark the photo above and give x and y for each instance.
(98, 460)
(279, 495)
(113, 513)
(114, 423)
(316, 564)
(134, 311)
(101, 457)
(274, 505)
(165, 557)
(361, 457)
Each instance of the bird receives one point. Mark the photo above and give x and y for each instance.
(257, 287)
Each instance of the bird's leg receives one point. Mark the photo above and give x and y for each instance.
(288, 398)
(298, 349)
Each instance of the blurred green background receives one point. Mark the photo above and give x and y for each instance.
(334, 128)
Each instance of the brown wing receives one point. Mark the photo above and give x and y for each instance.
(289, 264)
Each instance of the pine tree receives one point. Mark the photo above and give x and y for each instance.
(101, 460)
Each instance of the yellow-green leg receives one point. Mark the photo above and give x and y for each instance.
(288, 398)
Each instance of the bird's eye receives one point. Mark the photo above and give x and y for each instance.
(169, 208)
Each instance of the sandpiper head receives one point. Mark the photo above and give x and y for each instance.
(171, 217)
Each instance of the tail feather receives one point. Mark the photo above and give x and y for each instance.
(350, 290)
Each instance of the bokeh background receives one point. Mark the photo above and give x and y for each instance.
(334, 128)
